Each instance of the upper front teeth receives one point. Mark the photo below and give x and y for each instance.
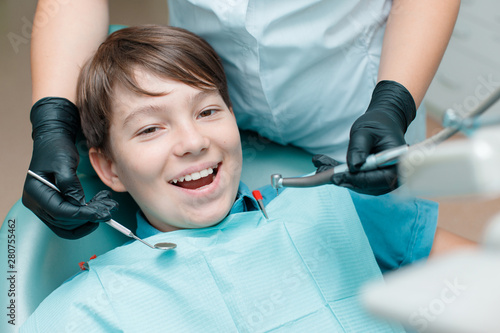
(194, 175)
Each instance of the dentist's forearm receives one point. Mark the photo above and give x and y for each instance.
(417, 34)
(65, 34)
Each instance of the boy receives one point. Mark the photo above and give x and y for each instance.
(156, 112)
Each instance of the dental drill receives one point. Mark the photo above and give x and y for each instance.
(374, 161)
(452, 123)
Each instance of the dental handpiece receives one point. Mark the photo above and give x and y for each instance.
(374, 161)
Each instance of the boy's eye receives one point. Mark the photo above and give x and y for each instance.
(149, 130)
(207, 113)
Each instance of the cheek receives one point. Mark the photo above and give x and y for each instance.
(236, 144)
(138, 165)
(232, 145)
(232, 139)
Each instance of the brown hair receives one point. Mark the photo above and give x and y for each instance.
(165, 51)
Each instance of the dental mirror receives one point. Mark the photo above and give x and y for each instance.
(165, 246)
(112, 223)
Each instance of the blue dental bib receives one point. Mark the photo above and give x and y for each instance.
(299, 271)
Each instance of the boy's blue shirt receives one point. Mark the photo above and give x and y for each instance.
(399, 231)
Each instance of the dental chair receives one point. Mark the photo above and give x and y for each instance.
(40, 261)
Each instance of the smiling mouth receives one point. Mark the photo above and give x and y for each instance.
(196, 180)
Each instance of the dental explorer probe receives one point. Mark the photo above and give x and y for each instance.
(112, 223)
(374, 161)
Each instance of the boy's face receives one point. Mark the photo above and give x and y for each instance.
(178, 155)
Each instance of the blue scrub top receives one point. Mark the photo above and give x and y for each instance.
(300, 72)
(399, 231)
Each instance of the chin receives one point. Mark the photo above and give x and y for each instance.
(191, 220)
(206, 220)
(194, 215)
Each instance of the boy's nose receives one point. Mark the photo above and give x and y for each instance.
(190, 140)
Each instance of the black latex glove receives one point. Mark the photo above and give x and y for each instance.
(375, 182)
(381, 127)
(55, 124)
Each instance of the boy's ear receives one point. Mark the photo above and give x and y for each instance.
(105, 169)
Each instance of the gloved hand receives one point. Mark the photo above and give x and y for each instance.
(55, 157)
(381, 127)
(374, 182)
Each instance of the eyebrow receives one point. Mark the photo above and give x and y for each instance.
(143, 110)
(200, 95)
(151, 109)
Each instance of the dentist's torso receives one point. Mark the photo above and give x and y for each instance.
(300, 72)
